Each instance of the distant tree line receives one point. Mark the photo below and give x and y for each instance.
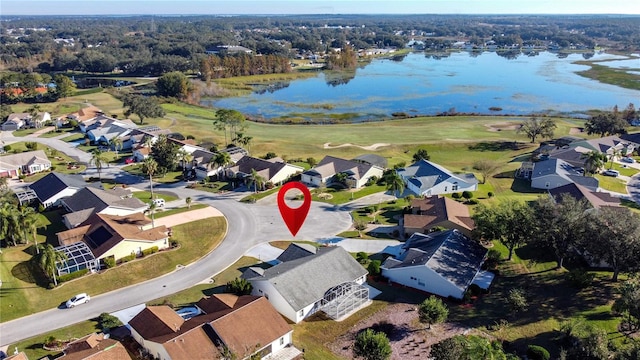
(216, 67)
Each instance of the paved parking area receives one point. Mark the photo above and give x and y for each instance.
(189, 216)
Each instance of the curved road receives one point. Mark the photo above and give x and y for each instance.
(248, 226)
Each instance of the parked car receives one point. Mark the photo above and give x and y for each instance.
(159, 202)
(627, 159)
(610, 172)
(129, 160)
(78, 300)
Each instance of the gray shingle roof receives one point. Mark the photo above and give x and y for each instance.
(100, 199)
(304, 281)
(54, 183)
(331, 165)
(296, 251)
(424, 175)
(449, 253)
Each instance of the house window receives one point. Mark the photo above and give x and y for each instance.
(445, 188)
(454, 187)
(547, 184)
(260, 291)
(301, 313)
(282, 341)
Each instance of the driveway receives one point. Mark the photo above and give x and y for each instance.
(188, 216)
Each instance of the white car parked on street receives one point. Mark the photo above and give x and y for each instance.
(78, 300)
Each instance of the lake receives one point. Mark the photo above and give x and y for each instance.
(420, 84)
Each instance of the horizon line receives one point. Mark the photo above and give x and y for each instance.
(332, 14)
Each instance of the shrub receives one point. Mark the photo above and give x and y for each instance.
(128, 258)
(108, 321)
(493, 258)
(109, 262)
(580, 278)
(7, 148)
(535, 352)
(490, 194)
(149, 251)
(472, 202)
(239, 286)
(175, 243)
(362, 257)
(374, 267)
(467, 194)
(191, 137)
(40, 208)
(475, 290)
(371, 345)
(456, 195)
(73, 275)
(31, 145)
(53, 168)
(517, 300)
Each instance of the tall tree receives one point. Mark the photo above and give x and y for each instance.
(222, 159)
(371, 345)
(65, 87)
(230, 119)
(117, 144)
(150, 167)
(486, 168)
(630, 113)
(48, 259)
(421, 154)
(511, 222)
(614, 237)
(173, 84)
(593, 161)
(151, 210)
(9, 223)
(606, 124)
(628, 303)
(143, 107)
(27, 219)
(535, 127)
(165, 153)
(432, 311)
(256, 180)
(559, 225)
(98, 159)
(395, 183)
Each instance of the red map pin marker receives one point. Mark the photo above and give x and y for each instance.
(294, 217)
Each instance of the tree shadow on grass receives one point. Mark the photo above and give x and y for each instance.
(524, 186)
(498, 146)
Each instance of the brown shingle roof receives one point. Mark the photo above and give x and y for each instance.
(156, 321)
(194, 344)
(96, 347)
(217, 302)
(431, 211)
(255, 324)
(106, 231)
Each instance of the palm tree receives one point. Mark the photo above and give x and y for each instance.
(185, 158)
(117, 144)
(98, 159)
(593, 160)
(395, 183)
(152, 211)
(27, 220)
(614, 154)
(48, 259)
(256, 180)
(222, 159)
(9, 223)
(149, 167)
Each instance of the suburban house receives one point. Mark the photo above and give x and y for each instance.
(426, 178)
(308, 280)
(553, 173)
(444, 263)
(203, 163)
(25, 163)
(95, 347)
(573, 150)
(104, 129)
(85, 114)
(357, 172)
(17, 121)
(274, 170)
(141, 152)
(437, 211)
(89, 201)
(117, 236)
(579, 192)
(55, 186)
(138, 136)
(12, 123)
(242, 325)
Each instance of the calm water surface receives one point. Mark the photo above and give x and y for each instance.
(428, 86)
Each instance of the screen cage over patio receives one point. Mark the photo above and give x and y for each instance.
(79, 257)
(344, 299)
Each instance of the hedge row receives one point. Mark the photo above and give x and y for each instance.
(73, 275)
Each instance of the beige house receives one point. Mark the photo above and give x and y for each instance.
(357, 172)
(437, 211)
(25, 163)
(117, 236)
(274, 170)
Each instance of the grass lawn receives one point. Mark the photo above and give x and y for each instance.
(61, 131)
(32, 347)
(163, 213)
(552, 300)
(73, 137)
(341, 196)
(145, 196)
(168, 178)
(24, 132)
(22, 292)
(612, 184)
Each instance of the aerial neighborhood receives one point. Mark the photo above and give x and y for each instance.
(143, 217)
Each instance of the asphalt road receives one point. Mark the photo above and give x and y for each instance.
(248, 226)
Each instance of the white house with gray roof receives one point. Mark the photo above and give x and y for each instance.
(444, 263)
(358, 172)
(425, 178)
(554, 173)
(89, 201)
(326, 279)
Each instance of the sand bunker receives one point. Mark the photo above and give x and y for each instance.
(503, 126)
(372, 147)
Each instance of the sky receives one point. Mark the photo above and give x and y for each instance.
(274, 7)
